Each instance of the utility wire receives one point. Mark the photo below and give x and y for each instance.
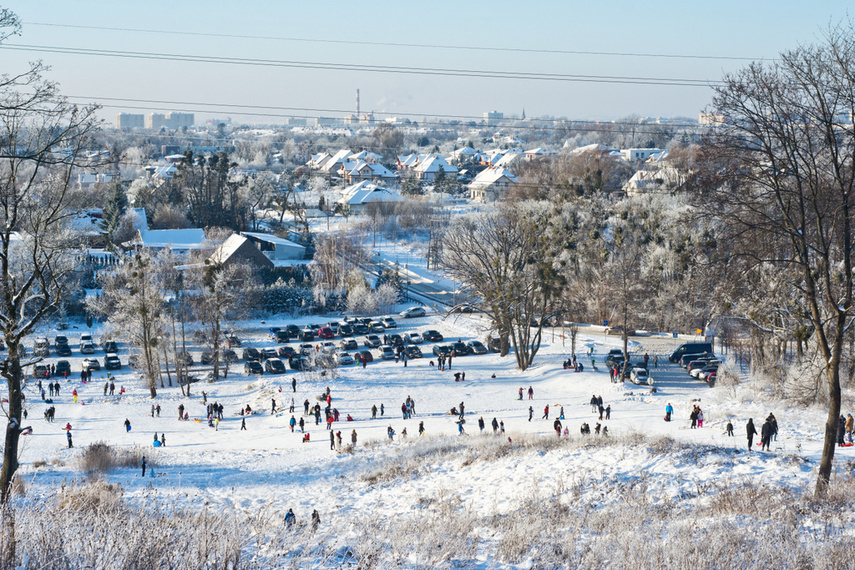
(404, 44)
(431, 71)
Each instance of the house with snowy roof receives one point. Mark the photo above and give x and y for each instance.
(358, 197)
(430, 167)
(537, 153)
(360, 170)
(280, 251)
(179, 242)
(238, 249)
(490, 184)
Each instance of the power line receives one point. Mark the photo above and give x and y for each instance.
(404, 44)
(431, 71)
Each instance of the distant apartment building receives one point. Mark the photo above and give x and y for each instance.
(491, 118)
(130, 121)
(169, 120)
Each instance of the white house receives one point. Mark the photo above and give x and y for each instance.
(490, 184)
(365, 194)
(430, 167)
(180, 242)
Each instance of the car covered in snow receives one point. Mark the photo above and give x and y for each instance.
(640, 376)
(348, 344)
(413, 338)
(91, 364)
(372, 341)
(343, 358)
(386, 352)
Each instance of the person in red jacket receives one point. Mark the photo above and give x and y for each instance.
(546, 412)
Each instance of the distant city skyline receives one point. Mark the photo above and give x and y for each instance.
(261, 62)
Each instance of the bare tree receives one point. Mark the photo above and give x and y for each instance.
(133, 302)
(42, 138)
(787, 147)
(506, 260)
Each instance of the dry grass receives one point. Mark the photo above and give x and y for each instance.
(101, 458)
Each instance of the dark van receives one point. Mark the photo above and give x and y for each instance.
(690, 348)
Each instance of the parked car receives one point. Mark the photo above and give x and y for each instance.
(63, 350)
(60, 340)
(110, 347)
(229, 355)
(702, 374)
(345, 330)
(326, 333)
(328, 346)
(343, 358)
(187, 358)
(286, 352)
(360, 328)
(266, 353)
(618, 331)
(386, 352)
(307, 335)
(41, 347)
(389, 323)
(293, 331)
(459, 348)
(687, 359)
(396, 340)
(281, 337)
(334, 326)
(87, 347)
(91, 364)
(62, 368)
(412, 351)
(690, 348)
(233, 341)
(613, 353)
(86, 337)
(307, 348)
(432, 336)
(494, 344)
(348, 344)
(475, 347)
(413, 312)
(271, 332)
(443, 349)
(640, 376)
(371, 341)
(251, 353)
(41, 371)
(253, 367)
(274, 366)
(112, 362)
(299, 363)
(376, 327)
(413, 338)
(365, 355)
(207, 358)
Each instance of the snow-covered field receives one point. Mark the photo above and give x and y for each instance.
(477, 476)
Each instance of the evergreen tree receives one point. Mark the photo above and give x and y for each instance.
(114, 209)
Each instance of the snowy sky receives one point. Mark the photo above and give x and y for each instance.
(528, 35)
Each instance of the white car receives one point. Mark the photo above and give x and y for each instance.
(328, 346)
(386, 352)
(87, 347)
(640, 376)
(413, 338)
(343, 358)
(413, 312)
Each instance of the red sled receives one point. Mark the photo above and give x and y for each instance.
(847, 444)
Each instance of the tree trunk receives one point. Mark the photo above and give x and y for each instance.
(13, 428)
(831, 424)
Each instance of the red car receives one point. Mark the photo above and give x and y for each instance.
(326, 333)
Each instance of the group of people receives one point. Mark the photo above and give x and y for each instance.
(291, 520)
(597, 407)
(577, 366)
(697, 417)
(768, 432)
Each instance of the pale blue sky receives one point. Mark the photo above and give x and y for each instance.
(749, 29)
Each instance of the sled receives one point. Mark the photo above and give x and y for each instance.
(847, 445)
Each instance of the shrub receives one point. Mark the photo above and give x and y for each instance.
(101, 458)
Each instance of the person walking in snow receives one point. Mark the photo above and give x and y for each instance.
(180, 412)
(332, 441)
(316, 520)
(306, 407)
(421, 428)
(292, 422)
(546, 412)
(609, 412)
(751, 431)
(302, 425)
(841, 431)
(557, 427)
(243, 424)
(353, 437)
(765, 435)
(495, 425)
(530, 393)
(729, 429)
(530, 413)
(68, 435)
(700, 417)
(669, 411)
(521, 393)
(390, 433)
(374, 412)
(290, 519)
(294, 384)
(338, 441)
(143, 465)
(481, 424)
(850, 423)
(127, 424)
(594, 404)
(273, 406)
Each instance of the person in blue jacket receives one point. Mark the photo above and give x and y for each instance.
(669, 411)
